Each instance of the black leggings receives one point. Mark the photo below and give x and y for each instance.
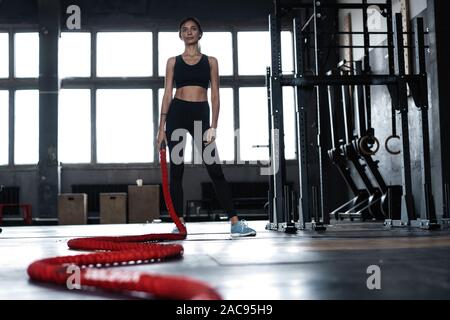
(183, 115)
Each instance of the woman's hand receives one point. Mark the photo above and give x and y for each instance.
(161, 137)
(211, 135)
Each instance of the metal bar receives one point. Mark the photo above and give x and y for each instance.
(337, 80)
(391, 57)
(358, 32)
(408, 213)
(19, 84)
(11, 99)
(320, 215)
(155, 92)
(391, 50)
(138, 82)
(12, 124)
(363, 47)
(304, 207)
(272, 218)
(277, 134)
(300, 6)
(331, 99)
(235, 87)
(93, 97)
(307, 23)
(346, 112)
(367, 69)
(361, 110)
(426, 157)
(446, 201)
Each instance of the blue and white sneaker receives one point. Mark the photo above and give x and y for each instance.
(241, 229)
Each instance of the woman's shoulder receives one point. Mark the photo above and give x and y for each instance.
(211, 59)
(172, 60)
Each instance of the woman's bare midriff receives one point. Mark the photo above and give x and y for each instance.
(192, 93)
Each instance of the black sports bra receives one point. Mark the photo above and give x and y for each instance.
(198, 74)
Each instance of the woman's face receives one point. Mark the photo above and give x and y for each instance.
(190, 32)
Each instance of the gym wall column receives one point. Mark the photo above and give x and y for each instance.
(49, 178)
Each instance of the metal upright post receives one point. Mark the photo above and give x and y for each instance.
(49, 177)
(321, 216)
(407, 214)
(430, 220)
(272, 218)
(367, 69)
(301, 95)
(280, 218)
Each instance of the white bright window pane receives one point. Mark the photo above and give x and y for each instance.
(4, 127)
(219, 45)
(26, 131)
(170, 45)
(254, 126)
(75, 54)
(253, 52)
(188, 155)
(27, 55)
(289, 118)
(287, 54)
(74, 126)
(124, 126)
(124, 54)
(4, 55)
(225, 129)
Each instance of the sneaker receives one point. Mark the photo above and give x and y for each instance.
(241, 229)
(175, 229)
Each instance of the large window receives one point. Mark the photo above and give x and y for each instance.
(219, 45)
(4, 55)
(287, 53)
(27, 55)
(169, 45)
(4, 127)
(289, 118)
(75, 54)
(74, 126)
(124, 126)
(26, 130)
(124, 54)
(254, 52)
(254, 126)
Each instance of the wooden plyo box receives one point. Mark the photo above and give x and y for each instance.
(113, 208)
(143, 203)
(72, 209)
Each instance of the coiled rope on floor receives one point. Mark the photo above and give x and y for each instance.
(127, 250)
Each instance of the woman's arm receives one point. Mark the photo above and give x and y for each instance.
(167, 99)
(215, 99)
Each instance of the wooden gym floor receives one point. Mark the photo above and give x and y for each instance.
(414, 264)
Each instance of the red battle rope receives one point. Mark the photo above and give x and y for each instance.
(122, 251)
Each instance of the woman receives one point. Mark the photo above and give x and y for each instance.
(192, 72)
